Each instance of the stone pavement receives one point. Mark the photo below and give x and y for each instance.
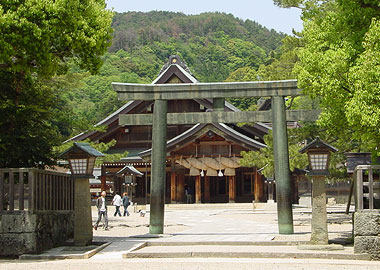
(217, 227)
(231, 223)
(220, 225)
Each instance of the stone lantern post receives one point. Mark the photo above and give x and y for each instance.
(81, 157)
(319, 156)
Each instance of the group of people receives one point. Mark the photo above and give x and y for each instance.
(117, 201)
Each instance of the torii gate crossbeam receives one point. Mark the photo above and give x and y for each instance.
(161, 93)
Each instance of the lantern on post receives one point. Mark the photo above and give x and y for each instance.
(81, 157)
(319, 156)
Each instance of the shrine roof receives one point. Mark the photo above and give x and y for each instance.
(195, 132)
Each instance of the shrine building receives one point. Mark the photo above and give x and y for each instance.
(202, 157)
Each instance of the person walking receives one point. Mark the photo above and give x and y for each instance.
(125, 203)
(101, 204)
(117, 202)
(188, 194)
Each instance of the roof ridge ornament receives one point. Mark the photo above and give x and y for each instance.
(175, 60)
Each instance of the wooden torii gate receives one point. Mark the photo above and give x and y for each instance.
(161, 93)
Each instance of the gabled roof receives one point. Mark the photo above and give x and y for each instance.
(177, 70)
(228, 133)
(175, 67)
(109, 119)
(129, 169)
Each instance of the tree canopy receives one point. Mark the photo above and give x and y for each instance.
(39, 39)
(39, 36)
(339, 64)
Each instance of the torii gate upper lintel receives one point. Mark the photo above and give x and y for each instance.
(161, 93)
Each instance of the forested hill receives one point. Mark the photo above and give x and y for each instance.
(212, 44)
(134, 29)
(215, 46)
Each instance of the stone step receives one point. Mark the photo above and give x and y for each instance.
(239, 251)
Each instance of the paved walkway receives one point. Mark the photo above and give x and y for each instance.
(220, 225)
(237, 223)
(233, 223)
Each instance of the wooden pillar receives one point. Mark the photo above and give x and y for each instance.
(173, 187)
(259, 187)
(231, 189)
(207, 189)
(198, 192)
(103, 179)
(180, 188)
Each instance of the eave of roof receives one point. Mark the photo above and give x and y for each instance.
(129, 169)
(196, 128)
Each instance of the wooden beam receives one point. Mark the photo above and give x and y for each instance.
(217, 117)
(128, 91)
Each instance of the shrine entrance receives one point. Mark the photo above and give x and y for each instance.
(160, 119)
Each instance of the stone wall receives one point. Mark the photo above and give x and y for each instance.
(23, 232)
(367, 233)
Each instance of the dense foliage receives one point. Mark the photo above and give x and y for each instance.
(340, 65)
(213, 45)
(39, 38)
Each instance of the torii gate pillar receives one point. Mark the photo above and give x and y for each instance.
(158, 177)
(160, 93)
(281, 164)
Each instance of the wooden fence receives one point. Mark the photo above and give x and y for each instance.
(29, 189)
(366, 187)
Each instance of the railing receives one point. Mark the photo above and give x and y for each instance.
(366, 187)
(32, 189)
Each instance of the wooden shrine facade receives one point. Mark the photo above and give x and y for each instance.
(214, 141)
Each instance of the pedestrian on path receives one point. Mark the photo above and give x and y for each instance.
(101, 204)
(188, 194)
(125, 203)
(117, 201)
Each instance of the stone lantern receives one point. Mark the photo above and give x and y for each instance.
(319, 156)
(81, 157)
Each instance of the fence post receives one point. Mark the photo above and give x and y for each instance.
(359, 189)
(31, 191)
(1, 191)
(370, 187)
(11, 191)
(21, 190)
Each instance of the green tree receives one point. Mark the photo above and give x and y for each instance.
(39, 39)
(41, 36)
(264, 157)
(339, 64)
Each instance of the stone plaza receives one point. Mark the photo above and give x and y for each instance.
(213, 236)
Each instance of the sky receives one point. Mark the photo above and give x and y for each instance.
(261, 11)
